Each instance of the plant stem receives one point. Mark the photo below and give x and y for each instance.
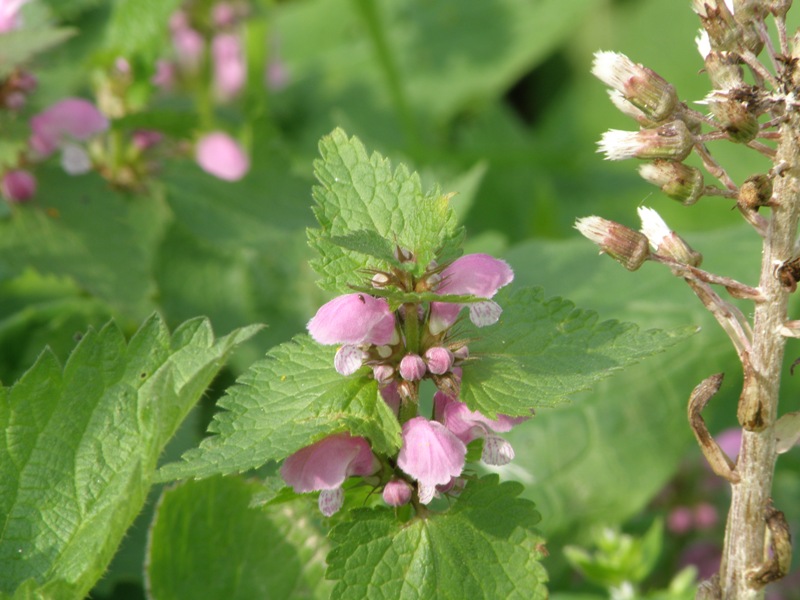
(745, 535)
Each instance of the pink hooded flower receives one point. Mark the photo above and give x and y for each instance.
(325, 465)
(69, 120)
(220, 155)
(354, 319)
(431, 454)
(18, 185)
(476, 274)
(469, 425)
(230, 72)
(9, 14)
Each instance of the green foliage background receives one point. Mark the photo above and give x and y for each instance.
(489, 99)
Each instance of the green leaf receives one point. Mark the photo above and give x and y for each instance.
(541, 351)
(139, 26)
(467, 552)
(81, 444)
(358, 193)
(285, 402)
(275, 552)
(52, 590)
(22, 45)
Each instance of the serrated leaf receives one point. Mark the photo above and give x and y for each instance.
(285, 402)
(466, 552)
(81, 444)
(358, 192)
(543, 350)
(278, 552)
(52, 590)
(368, 242)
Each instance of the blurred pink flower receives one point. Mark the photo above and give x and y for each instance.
(476, 274)
(325, 465)
(9, 14)
(431, 454)
(71, 119)
(18, 185)
(680, 520)
(220, 155)
(230, 71)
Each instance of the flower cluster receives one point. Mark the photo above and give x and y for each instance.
(401, 348)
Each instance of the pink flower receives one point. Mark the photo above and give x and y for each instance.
(9, 14)
(65, 121)
(439, 360)
(220, 155)
(680, 520)
(230, 72)
(188, 43)
(18, 185)
(431, 454)
(325, 465)
(354, 319)
(469, 425)
(397, 492)
(476, 274)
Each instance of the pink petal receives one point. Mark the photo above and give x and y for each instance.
(18, 186)
(397, 492)
(353, 319)
(431, 454)
(220, 155)
(330, 501)
(230, 72)
(412, 367)
(69, 119)
(348, 359)
(468, 424)
(327, 463)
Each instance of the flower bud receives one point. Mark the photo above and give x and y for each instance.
(439, 360)
(678, 181)
(397, 492)
(412, 367)
(628, 247)
(381, 280)
(672, 140)
(18, 186)
(665, 241)
(624, 106)
(383, 373)
(755, 192)
(642, 87)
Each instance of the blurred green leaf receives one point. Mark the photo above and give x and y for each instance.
(139, 27)
(81, 444)
(466, 552)
(21, 45)
(285, 402)
(275, 552)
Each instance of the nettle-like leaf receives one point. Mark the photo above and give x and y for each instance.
(543, 350)
(81, 444)
(365, 209)
(275, 552)
(283, 403)
(466, 552)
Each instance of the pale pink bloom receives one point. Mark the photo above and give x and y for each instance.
(230, 72)
(476, 274)
(705, 516)
(223, 14)
(469, 425)
(348, 359)
(431, 454)
(277, 75)
(325, 465)
(397, 492)
(220, 155)
(412, 367)
(18, 185)
(71, 119)
(354, 319)
(146, 138)
(9, 14)
(189, 44)
(439, 360)
(680, 520)
(164, 77)
(730, 441)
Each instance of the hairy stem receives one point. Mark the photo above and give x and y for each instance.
(744, 553)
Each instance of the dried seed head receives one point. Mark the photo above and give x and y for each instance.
(678, 181)
(672, 141)
(642, 87)
(666, 242)
(736, 115)
(628, 247)
(755, 192)
(724, 70)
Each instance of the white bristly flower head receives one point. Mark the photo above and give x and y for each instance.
(664, 241)
(703, 43)
(628, 247)
(672, 141)
(653, 226)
